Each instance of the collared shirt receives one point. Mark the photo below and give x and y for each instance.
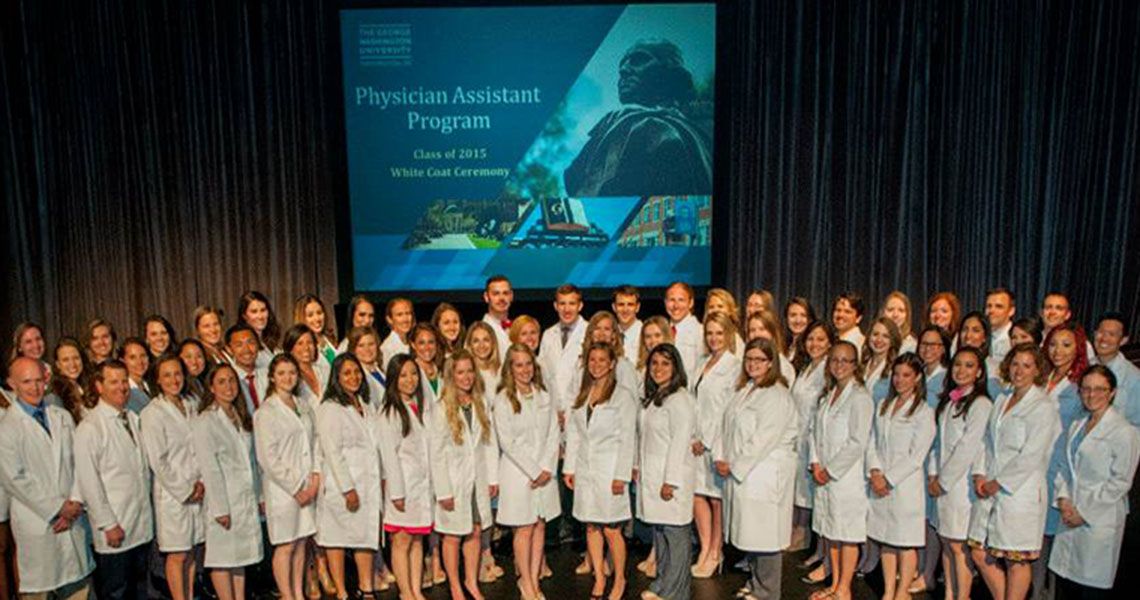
(37, 413)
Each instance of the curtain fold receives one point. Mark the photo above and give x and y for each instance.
(159, 155)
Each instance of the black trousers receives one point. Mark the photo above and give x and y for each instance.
(122, 576)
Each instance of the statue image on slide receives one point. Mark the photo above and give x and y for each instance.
(649, 145)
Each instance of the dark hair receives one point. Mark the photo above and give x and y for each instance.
(892, 351)
(392, 400)
(626, 290)
(588, 378)
(237, 328)
(244, 418)
(283, 357)
(943, 338)
(829, 381)
(121, 351)
(356, 334)
(271, 335)
(985, 323)
(948, 386)
(790, 338)
(1032, 326)
(163, 359)
(855, 301)
(19, 332)
(161, 320)
(436, 315)
(772, 353)
(89, 330)
(415, 332)
(1039, 360)
(70, 342)
(112, 364)
(1113, 316)
(71, 392)
(197, 382)
(335, 392)
(1103, 371)
(495, 279)
(801, 359)
(1002, 290)
(655, 394)
(355, 303)
(1080, 346)
(294, 335)
(568, 289)
(909, 359)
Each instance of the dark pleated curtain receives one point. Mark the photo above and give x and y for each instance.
(161, 154)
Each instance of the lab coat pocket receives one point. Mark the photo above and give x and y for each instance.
(765, 482)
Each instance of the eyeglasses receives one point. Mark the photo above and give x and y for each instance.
(1100, 389)
(757, 359)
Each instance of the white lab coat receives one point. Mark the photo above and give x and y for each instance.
(855, 336)
(1018, 446)
(626, 374)
(490, 383)
(350, 461)
(285, 446)
(406, 464)
(226, 458)
(599, 450)
(713, 391)
(806, 390)
(5, 501)
(260, 382)
(786, 369)
(529, 443)
(840, 434)
(502, 336)
(375, 391)
(956, 449)
(1127, 387)
(463, 472)
(899, 446)
(1069, 408)
(631, 341)
(560, 362)
(1096, 477)
(664, 455)
(392, 346)
(166, 438)
(688, 337)
(113, 478)
(37, 472)
(759, 445)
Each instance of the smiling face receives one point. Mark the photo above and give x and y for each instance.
(350, 377)
(678, 303)
(756, 303)
(941, 314)
(115, 387)
(661, 368)
(599, 364)
(568, 306)
(157, 338)
(367, 349)
(1109, 337)
(522, 368)
(364, 315)
(256, 315)
(797, 318)
(409, 380)
(481, 343)
(498, 297)
(137, 360)
(841, 363)
(1023, 371)
(170, 377)
(193, 358)
(529, 335)
(715, 304)
(880, 339)
(1062, 350)
(895, 310)
(757, 330)
(68, 362)
(757, 364)
(904, 379)
(999, 309)
(464, 375)
(449, 325)
(424, 346)
(243, 347)
(1018, 336)
(651, 336)
(931, 349)
(1097, 393)
(972, 334)
(400, 318)
(315, 317)
(603, 332)
(844, 316)
(1055, 310)
(284, 376)
(224, 387)
(31, 343)
(967, 369)
(210, 329)
(715, 337)
(304, 350)
(101, 343)
(625, 307)
(817, 343)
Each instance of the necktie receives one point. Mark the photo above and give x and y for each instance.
(505, 324)
(40, 415)
(249, 381)
(673, 328)
(127, 425)
(565, 335)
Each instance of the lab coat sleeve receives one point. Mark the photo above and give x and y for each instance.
(438, 438)
(490, 449)
(88, 450)
(1035, 453)
(970, 447)
(713, 425)
(917, 452)
(267, 444)
(514, 448)
(623, 467)
(871, 459)
(764, 439)
(330, 431)
(389, 433)
(24, 486)
(156, 448)
(206, 450)
(682, 420)
(858, 435)
(552, 441)
(1122, 468)
(574, 437)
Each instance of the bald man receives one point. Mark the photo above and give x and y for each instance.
(37, 471)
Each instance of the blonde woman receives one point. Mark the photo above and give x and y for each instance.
(897, 308)
(464, 469)
(526, 330)
(722, 301)
(481, 343)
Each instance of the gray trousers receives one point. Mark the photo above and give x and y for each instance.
(767, 567)
(674, 548)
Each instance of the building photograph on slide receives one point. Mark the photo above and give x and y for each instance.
(554, 142)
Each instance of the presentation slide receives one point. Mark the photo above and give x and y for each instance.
(550, 143)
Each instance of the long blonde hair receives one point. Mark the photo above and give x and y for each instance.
(494, 361)
(666, 330)
(588, 339)
(727, 324)
(507, 378)
(450, 399)
(731, 307)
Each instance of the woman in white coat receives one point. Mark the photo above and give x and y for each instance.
(815, 342)
(765, 324)
(1101, 453)
(840, 433)
(348, 507)
(364, 344)
(1009, 521)
(223, 447)
(177, 489)
(601, 436)
(757, 457)
(464, 470)
(526, 421)
(667, 471)
(484, 346)
(714, 379)
(934, 348)
(284, 441)
(312, 371)
(404, 456)
(902, 433)
(962, 413)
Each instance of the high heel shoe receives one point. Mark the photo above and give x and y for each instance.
(312, 587)
(328, 586)
(704, 571)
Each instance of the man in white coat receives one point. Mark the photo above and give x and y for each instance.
(1111, 334)
(253, 381)
(114, 481)
(498, 295)
(36, 469)
(688, 333)
(561, 345)
(1000, 310)
(626, 304)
